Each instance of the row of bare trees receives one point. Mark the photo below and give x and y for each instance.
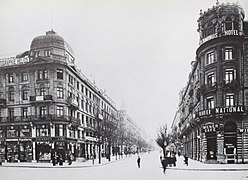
(110, 131)
(165, 139)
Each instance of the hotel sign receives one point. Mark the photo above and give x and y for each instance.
(221, 110)
(213, 36)
(13, 61)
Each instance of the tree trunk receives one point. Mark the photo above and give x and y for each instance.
(164, 152)
(99, 153)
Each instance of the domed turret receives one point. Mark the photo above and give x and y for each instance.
(51, 45)
(220, 20)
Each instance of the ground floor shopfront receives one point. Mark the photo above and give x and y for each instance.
(44, 149)
(217, 140)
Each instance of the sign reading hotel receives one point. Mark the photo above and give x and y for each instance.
(221, 110)
(10, 61)
(213, 36)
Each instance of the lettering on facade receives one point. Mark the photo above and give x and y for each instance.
(210, 127)
(221, 110)
(13, 61)
(213, 36)
(231, 32)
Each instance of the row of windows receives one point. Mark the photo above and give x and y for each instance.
(41, 130)
(43, 111)
(44, 74)
(229, 77)
(229, 101)
(228, 24)
(211, 55)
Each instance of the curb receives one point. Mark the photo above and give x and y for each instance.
(209, 169)
(66, 166)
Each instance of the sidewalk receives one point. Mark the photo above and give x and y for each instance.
(199, 166)
(75, 164)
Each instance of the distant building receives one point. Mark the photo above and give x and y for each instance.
(213, 121)
(47, 106)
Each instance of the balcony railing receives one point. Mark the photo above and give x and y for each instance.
(45, 98)
(231, 85)
(72, 102)
(44, 118)
(208, 87)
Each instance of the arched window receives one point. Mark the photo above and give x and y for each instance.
(209, 29)
(228, 23)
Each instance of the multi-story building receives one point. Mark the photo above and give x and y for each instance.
(47, 106)
(134, 138)
(213, 120)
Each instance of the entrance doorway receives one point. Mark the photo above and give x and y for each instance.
(230, 141)
(211, 145)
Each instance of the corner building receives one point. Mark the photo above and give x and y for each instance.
(47, 106)
(213, 123)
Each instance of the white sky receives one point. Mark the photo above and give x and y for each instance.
(139, 51)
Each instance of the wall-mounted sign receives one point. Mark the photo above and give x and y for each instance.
(10, 61)
(221, 110)
(213, 36)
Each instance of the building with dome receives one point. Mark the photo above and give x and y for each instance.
(211, 120)
(48, 107)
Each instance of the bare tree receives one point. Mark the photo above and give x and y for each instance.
(163, 138)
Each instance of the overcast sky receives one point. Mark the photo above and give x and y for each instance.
(139, 51)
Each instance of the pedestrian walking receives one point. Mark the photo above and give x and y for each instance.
(164, 164)
(138, 161)
(69, 159)
(186, 160)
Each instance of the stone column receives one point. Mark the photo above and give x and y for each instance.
(34, 153)
(220, 148)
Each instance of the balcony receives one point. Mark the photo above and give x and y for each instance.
(2, 102)
(45, 98)
(72, 102)
(232, 85)
(208, 88)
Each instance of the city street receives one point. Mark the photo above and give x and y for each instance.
(126, 168)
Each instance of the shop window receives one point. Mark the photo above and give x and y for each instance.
(229, 100)
(210, 102)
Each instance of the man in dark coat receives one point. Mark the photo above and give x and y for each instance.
(164, 164)
(138, 162)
